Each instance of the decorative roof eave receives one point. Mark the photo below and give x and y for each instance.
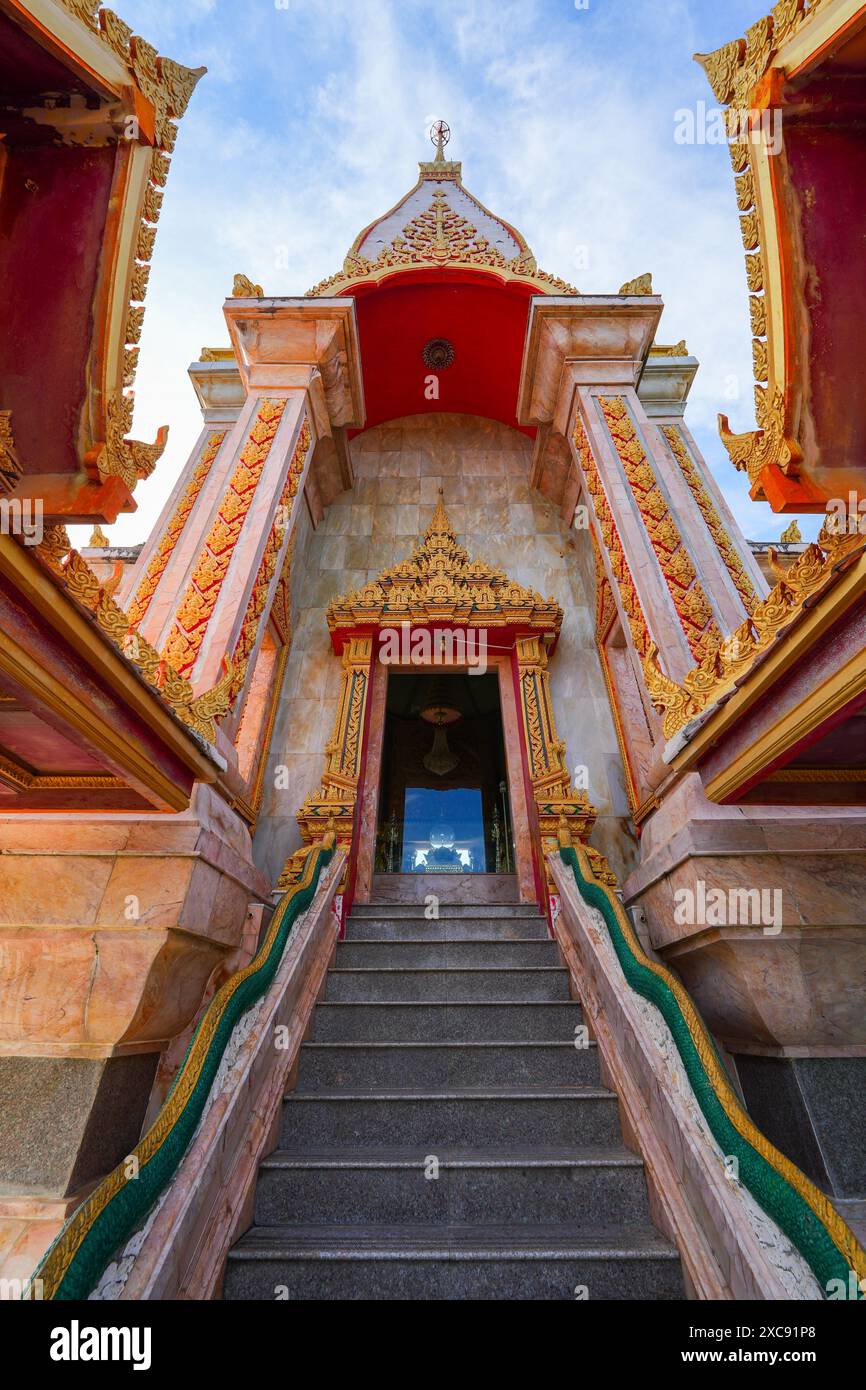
(73, 576)
(166, 88)
(539, 281)
(735, 69)
(407, 252)
(439, 584)
(694, 712)
(746, 76)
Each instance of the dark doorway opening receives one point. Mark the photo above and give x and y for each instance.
(444, 804)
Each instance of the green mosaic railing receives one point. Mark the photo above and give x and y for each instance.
(796, 1205)
(118, 1207)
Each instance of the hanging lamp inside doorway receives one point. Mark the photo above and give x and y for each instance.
(440, 712)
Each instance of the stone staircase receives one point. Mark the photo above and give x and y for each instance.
(448, 1047)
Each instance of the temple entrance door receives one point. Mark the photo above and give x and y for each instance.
(444, 806)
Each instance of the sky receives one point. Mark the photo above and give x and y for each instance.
(314, 113)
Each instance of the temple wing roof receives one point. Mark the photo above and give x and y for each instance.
(439, 225)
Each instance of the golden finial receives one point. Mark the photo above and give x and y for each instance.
(441, 523)
(98, 539)
(791, 535)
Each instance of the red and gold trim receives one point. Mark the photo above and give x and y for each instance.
(199, 601)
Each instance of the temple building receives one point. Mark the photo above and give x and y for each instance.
(432, 862)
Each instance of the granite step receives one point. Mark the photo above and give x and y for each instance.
(409, 954)
(446, 909)
(446, 1137)
(581, 1188)
(368, 1066)
(506, 1020)
(505, 1263)
(385, 927)
(464, 1117)
(540, 984)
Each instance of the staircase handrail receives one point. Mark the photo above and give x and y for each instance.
(117, 1207)
(792, 1200)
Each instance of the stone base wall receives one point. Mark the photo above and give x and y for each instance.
(111, 927)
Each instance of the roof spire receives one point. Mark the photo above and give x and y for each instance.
(440, 134)
(441, 524)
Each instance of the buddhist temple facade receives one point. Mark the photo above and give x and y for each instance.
(444, 777)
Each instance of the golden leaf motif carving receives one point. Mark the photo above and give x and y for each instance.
(10, 464)
(758, 315)
(724, 544)
(440, 236)
(243, 288)
(760, 361)
(173, 531)
(769, 445)
(85, 10)
(745, 190)
(197, 604)
(722, 68)
(750, 232)
(688, 597)
(440, 581)
(770, 620)
(755, 272)
(643, 284)
(127, 459)
(138, 286)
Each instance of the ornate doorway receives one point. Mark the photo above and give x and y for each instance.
(436, 615)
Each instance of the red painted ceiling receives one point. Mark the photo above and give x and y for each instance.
(485, 321)
(26, 70)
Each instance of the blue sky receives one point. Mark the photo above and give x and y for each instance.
(312, 118)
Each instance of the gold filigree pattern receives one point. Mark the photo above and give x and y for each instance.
(10, 465)
(338, 794)
(769, 621)
(735, 69)
(734, 73)
(643, 284)
(85, 10)
(612, 543)
(686, 591)
(557, 803)
(439, 583)
(281, 608)
(96, 598)
(725, 546)
(159, 560)
(768, 446)
(127, 459)
(439, 236)
(267, 569)
(606, 615)
(199, 601)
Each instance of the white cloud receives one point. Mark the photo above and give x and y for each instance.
(310, 124)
